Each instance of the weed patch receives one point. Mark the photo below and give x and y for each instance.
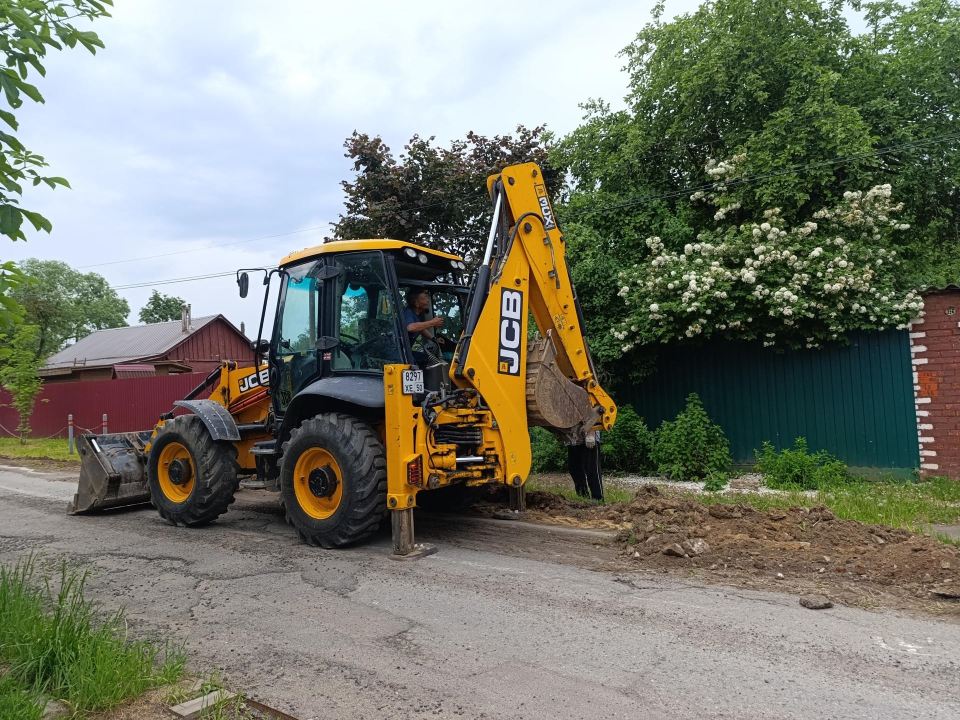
(54, 640)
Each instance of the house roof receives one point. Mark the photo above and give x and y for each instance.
(125, 345)
(939, 289)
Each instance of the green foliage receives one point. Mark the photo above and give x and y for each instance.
(10, 311)
(18, 374)
(804, 285)
(66, 305)
(627, 447)
(28, 30)
(797, 468)
(548, 455)
(715, 482)
(789, 85)
(692, 447)
(58, 642)
(162, 308)
(624, 449)
(434, 196)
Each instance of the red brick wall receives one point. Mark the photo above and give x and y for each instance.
(935, 348)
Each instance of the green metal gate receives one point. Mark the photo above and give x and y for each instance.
(855, 401)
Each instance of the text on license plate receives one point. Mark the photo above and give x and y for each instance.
(412, 382)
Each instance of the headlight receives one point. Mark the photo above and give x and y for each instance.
(410, 252)
(422, 258)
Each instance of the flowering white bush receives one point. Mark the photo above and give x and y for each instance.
(800, 286)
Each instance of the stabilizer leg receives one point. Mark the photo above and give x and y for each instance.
(518, 499)
(404, 546)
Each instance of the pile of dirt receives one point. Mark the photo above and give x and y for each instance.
(794, 549)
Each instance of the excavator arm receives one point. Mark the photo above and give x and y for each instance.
(550, 381)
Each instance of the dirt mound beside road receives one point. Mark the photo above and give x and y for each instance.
(795, 550)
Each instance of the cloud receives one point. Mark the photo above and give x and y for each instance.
(210, 122)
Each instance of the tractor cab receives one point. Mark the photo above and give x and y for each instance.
(341, 314)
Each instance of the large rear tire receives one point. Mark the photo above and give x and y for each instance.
(192, 477)
(334, 480)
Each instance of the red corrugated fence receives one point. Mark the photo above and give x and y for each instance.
(130, 404)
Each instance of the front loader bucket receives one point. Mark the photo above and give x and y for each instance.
(113, 472)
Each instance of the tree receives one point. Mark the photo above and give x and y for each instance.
(18, 374)
(434, 196)
(161, 308)
(802, 285)
(28, 29)
(815, 110)
(11, 314)
(65, 304)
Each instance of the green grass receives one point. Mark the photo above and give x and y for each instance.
(911, 505)
(36, 448)
(18, 702)
(56, 642)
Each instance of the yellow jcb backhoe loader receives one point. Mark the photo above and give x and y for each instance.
(351, 416)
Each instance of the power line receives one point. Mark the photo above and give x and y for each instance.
(171, 281)
(208, 247)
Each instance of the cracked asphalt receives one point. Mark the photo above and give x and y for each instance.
(505, 621)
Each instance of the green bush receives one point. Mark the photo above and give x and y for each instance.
(627, 447)
(691, 447)
(797, 468)
(549, 454)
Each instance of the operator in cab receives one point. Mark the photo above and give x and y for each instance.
(413, 319)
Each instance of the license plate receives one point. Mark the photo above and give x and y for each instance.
(412, 382)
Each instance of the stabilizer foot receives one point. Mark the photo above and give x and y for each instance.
(404, 546)
(518, 504)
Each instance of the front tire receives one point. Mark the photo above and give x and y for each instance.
(334, 480)
(192, 477)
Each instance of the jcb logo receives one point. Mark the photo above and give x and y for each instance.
(548, 222)
(511, 331)
(261, 378)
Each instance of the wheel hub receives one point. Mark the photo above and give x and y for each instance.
(323, 482)
(179, 472)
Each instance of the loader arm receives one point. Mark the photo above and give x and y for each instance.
(551, 383)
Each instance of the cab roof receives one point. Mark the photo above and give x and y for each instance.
(341, 246)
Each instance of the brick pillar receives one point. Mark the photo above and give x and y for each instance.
(935, 353)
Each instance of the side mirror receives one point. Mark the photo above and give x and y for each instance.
(243, 280)
(260, 349)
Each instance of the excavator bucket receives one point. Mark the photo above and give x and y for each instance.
(552, 399)
(113, 472)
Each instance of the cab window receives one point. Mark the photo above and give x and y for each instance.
(365, 316)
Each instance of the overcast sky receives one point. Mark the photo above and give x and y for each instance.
(217, 121)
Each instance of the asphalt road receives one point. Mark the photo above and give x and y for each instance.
(505, 621)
